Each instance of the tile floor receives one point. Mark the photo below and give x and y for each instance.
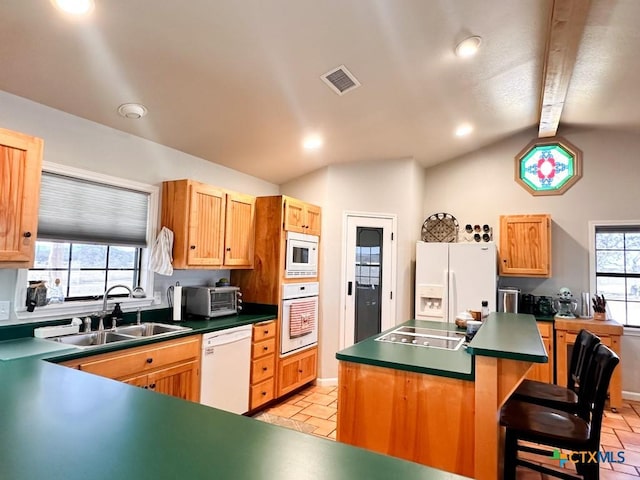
(313, 410)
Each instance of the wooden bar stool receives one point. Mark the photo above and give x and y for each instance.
(556, 396)
(559, 429)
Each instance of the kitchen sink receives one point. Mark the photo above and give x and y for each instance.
(424, 337)
(150, 329)
(90, 339)
(120, 334)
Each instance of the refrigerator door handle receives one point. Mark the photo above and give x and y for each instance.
(451, 310)
(349, 288)
(445, 296)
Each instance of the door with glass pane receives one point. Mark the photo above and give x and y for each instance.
(368, 265)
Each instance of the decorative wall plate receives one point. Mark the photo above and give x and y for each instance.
(440, 227)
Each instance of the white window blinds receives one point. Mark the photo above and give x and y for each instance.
(83, 211)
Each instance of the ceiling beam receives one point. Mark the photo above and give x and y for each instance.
(568, 18)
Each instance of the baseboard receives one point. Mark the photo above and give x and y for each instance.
(635, 396)
(327, 382)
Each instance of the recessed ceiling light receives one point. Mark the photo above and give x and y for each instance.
(132, 110)
(312, 142)
(74, 7)
(468, 47)
(464, 129)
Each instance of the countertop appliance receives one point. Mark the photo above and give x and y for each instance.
(226, 364)
(299, 316)
(454, 277)
(301, 255)
(212, 301)
(509, 299)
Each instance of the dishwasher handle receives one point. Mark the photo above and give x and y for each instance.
(226, 337)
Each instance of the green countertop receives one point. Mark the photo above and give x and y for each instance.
(502, 335)
(31, 347)
(60, 423)
(435, 361)
(509, 335)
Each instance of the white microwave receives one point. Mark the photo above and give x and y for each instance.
(302, 255)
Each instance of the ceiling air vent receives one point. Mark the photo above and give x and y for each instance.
(340, 80)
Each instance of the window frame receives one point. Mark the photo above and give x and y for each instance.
(593, 224)
(79, 307)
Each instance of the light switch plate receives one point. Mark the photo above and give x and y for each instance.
(4, 310)
(157, 298)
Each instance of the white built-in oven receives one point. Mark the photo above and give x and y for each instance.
(302, 256)
(299, 317)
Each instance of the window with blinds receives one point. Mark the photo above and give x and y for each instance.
(90, 236)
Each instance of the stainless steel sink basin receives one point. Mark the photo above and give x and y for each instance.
(120, 334)
(150, 329)
(90, 339)
(424, 337)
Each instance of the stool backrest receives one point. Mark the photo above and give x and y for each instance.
(593, 390)
(583, 349)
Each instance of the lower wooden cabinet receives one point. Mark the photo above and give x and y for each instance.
(263, 363)
(296, 370)
(171, 367)
(543, 372)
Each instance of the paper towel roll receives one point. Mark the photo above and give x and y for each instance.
(177, 303)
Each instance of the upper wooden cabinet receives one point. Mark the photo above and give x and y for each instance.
(20, 169)
(525, 245)
(212, 228)
(301, 217)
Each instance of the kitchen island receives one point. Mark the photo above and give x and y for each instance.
(436, 406)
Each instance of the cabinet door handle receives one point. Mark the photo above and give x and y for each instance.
(192, 247)
(149, 360)
(228, 249)
(27, 234)
(152, 386)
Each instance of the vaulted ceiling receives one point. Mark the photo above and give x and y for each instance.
(237, 82)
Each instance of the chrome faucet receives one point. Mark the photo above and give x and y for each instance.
(106, 298)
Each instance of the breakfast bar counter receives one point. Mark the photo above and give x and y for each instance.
(436, 406)
(59, 423)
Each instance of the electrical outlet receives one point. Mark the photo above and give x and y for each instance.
(157, 298)
(4, 310)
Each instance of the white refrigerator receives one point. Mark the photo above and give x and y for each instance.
(454, 277)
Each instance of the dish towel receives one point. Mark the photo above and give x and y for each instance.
(161, 253)
(302, 318)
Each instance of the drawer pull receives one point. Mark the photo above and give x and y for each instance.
(265, 348)
(264, 393)
(149, 360)
(264, 369)
(266, 332)
(300, 371)
(153, 385)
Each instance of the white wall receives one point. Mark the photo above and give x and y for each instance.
(479, 187)
(76, 142)
(393, 187)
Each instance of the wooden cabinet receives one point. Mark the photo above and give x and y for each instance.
(301, 217)
(171, 367)
(525, 245)
(296, 370)
(212, 228)
(543, 372)
(609, 332)
(20, 170)
(239, 236)
(263, 364)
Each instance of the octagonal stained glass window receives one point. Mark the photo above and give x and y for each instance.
(548, 167)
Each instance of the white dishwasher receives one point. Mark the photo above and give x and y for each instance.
(226, 363)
